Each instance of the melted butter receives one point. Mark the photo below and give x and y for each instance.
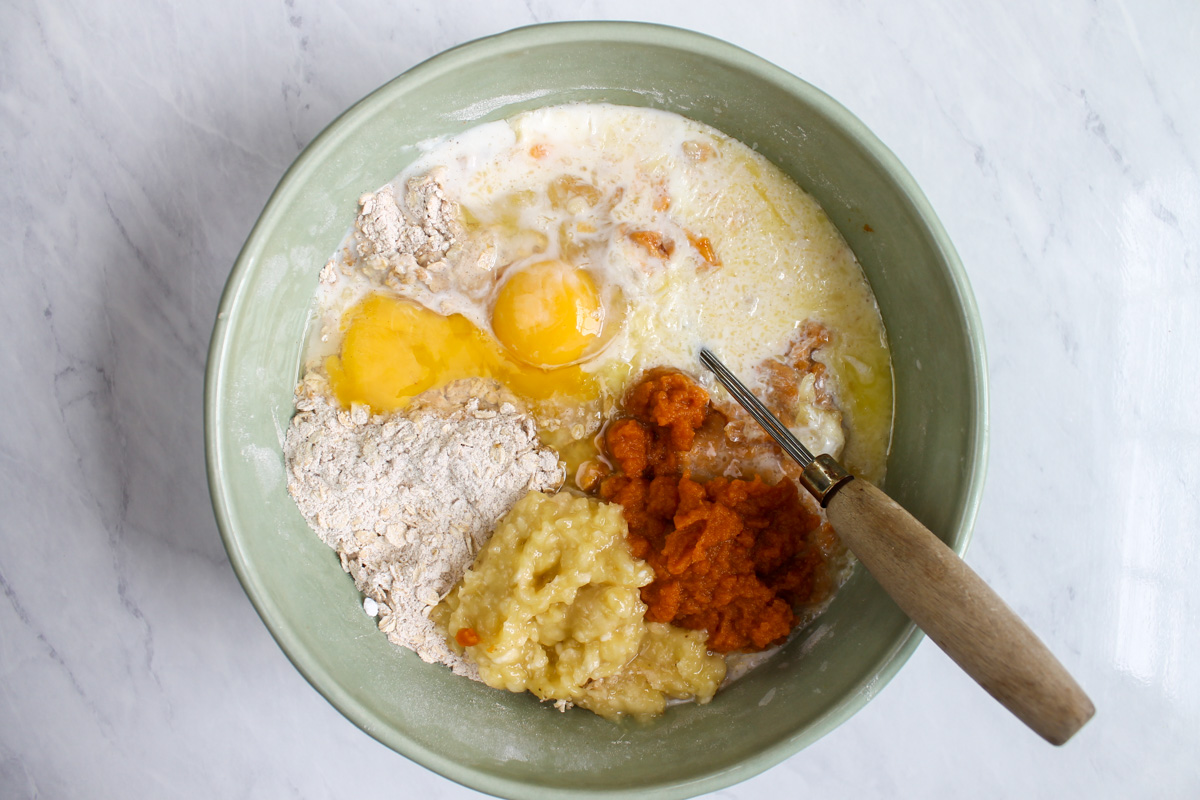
(571, 451)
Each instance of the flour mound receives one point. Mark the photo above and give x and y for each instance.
(425, 226)
(418, 247)
(408, 500)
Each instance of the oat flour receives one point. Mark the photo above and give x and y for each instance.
(408, 499)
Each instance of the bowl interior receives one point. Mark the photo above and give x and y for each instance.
(508, 744)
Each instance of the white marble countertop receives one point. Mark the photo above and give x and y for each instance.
(1059, 143)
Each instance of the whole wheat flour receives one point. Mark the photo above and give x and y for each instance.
(408, 499)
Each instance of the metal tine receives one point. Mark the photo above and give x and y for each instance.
(779, 432)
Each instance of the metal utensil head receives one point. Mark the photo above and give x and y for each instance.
(822, 474)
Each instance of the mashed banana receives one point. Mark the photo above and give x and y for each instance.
(672, 662)
(552, 606)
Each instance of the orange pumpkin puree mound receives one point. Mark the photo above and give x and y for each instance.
(732, 557)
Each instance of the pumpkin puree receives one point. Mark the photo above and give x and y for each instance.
(732, 557)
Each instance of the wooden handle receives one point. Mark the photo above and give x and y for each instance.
(960, 612)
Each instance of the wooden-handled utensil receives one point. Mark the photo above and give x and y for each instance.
(933, 586)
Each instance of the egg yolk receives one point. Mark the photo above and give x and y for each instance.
(548, 314)
(393, 349)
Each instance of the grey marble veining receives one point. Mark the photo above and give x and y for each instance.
(1059, 143)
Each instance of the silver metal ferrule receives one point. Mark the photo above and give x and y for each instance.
(823, 477)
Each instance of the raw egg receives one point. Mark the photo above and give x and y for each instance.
(548, 314)
(393, 349)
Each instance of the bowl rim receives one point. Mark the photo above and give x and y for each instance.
(511, 41)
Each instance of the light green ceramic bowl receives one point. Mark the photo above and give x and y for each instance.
(506, 744)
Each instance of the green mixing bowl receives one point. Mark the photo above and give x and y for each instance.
(510, 745)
